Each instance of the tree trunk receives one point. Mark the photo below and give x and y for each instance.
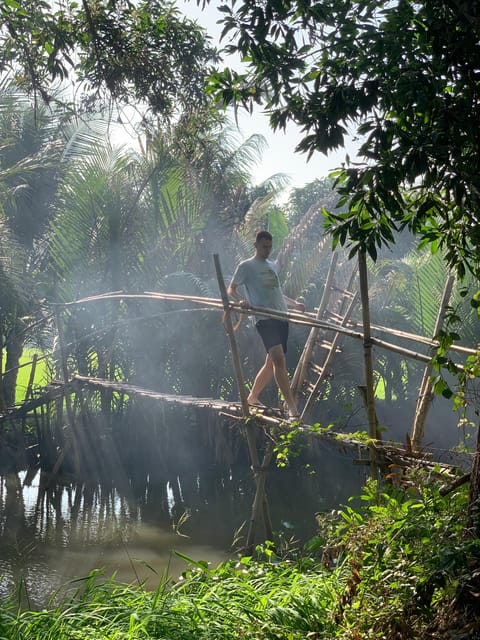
(368, 358)
(14, 349)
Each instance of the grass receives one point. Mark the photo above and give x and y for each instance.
(386, 570)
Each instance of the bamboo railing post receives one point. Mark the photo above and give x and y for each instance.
(302, 366)
(367, 355)
(426, 393)
(231, 334)
(259, 502)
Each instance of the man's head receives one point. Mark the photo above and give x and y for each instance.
(263, 234)
(263, 245)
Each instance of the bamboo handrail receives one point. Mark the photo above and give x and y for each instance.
(417, 338)
(308, 319)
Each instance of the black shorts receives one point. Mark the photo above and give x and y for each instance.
(273, 332)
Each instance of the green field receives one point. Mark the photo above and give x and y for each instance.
(41, 377)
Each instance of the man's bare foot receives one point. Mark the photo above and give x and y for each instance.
(254, 402)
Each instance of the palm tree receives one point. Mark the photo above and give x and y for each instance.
(14, 296)
(29, 163)
(214, 167)
(128, 220)
(198, 201)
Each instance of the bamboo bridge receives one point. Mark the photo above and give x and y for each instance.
(334, 320)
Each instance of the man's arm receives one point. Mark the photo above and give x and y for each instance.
(233, 293)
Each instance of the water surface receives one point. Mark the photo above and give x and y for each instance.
(132, 525)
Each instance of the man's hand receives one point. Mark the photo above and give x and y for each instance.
(294, 304)
(299, 306)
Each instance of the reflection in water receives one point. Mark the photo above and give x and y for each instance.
(132, 525)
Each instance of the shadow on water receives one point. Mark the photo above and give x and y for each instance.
(144, 508)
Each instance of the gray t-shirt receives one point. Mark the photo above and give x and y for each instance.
(261, 282)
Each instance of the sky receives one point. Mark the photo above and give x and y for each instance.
(279, 156)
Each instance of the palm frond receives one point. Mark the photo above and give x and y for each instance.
(14, 290)
(305, 251)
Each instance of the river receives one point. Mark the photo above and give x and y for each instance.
(132, 525)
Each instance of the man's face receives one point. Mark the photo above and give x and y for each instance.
(263, 248)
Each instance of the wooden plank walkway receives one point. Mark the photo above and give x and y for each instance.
(389, 453)
(270, 420)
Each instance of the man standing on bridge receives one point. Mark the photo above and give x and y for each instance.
(259, 277)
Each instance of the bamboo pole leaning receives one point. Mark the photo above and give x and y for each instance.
(260, 502)
(333, 349)
(301, 370)
(426, 393)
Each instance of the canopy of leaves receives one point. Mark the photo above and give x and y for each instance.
(140, 52)
(404, 77)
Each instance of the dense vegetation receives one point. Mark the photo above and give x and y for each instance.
(403, 78)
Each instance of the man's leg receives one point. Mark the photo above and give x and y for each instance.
(281, 377)
(262, 378)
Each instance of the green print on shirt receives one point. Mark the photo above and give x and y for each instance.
(269, 279)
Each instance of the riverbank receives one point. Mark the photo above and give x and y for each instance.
(400, 566)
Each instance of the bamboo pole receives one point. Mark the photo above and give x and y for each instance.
(473, 513)
(368, 360)
(302, 366)
(426, 394)
(231, 334)
(416, 338)
(404, 352)
(68, 404)
(28, 392)
(259, 503)
(306, 319)
(3, 404)
(328, 359)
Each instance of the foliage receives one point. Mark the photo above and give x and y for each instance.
(387, 568)
(32, 141)
(302, 198)
(144, 53)
(405, 294)
(402, 77)
(145, 221)
(407, 553)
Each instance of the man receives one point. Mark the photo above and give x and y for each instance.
(259, 277)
